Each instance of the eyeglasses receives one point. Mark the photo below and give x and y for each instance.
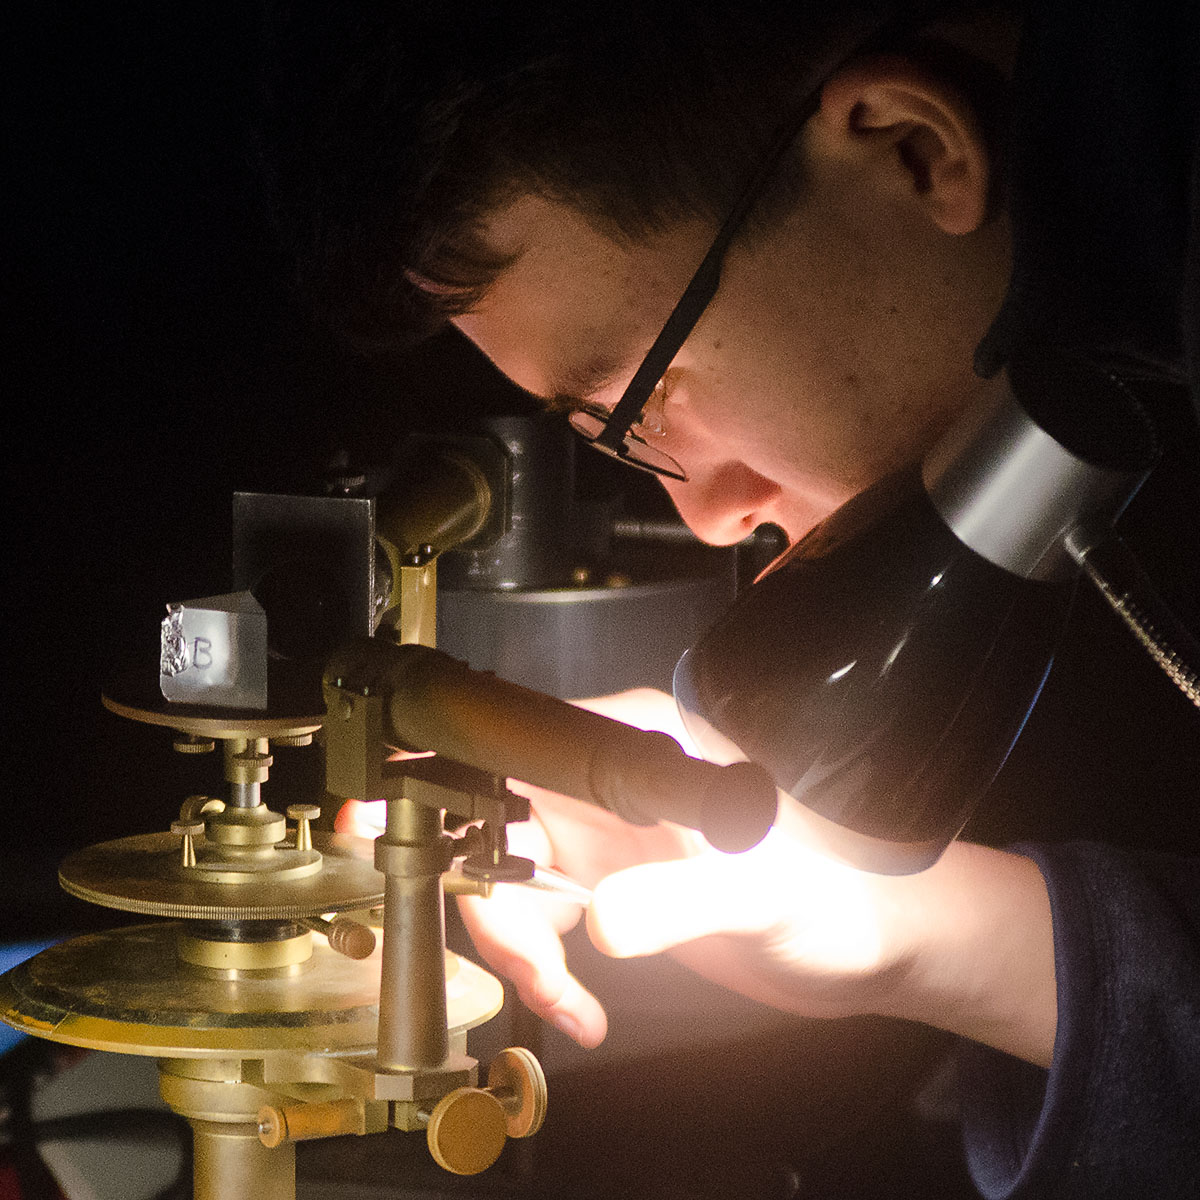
(617, 432)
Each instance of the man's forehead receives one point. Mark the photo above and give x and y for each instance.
(574, 306)
(552, 360)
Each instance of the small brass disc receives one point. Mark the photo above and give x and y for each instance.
(517, 1076)
(125, 990)
(466, 1131)
(295, 707)
(143, 874)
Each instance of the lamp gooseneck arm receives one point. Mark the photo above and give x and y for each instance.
(1118, 576)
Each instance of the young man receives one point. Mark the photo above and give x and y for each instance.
(897, 228)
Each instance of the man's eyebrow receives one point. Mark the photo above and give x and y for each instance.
(574, 386)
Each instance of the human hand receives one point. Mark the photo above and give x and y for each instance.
(517, 931)
(966, 946)
(781, 923)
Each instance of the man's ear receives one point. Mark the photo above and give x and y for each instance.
(892, 112)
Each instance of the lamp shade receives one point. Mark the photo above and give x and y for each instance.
(881, 673)
(884, 667)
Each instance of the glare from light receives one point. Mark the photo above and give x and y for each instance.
(805, 910)
(361, 818)
(798, 906)
(894, 654)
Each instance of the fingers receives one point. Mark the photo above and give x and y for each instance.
(360, 818)
(515, 936)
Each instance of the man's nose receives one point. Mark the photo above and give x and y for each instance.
(725, 503)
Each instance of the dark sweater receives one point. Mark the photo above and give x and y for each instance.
(1118, 1114)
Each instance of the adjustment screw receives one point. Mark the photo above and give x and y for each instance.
(188, 831)
(248, 766)
(346, 483)
(346, 936)
(292, 739)
(303, 815)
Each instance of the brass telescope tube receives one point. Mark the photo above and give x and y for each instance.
(434, 702)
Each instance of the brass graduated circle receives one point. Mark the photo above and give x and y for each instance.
(125, 990)
(142, 874)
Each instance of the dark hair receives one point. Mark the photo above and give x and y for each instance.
(391, 131)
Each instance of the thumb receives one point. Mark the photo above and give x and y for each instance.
(650, 908)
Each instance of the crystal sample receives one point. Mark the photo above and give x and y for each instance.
(214, 651)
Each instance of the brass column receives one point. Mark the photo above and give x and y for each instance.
(230, 1160)
(221, 1099)
(412, 1000)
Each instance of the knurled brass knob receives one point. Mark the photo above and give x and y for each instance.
(191, 743)
(466, 1131)
(292, 739)
(516, 1079)
(248, 766)
(346, 936)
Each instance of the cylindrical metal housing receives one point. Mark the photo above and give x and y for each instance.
(584, 641)
(1012, 492)
(544, 535)
(231, 1161)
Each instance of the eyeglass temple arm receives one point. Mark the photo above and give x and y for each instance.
(699, 291)
(684, 316)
